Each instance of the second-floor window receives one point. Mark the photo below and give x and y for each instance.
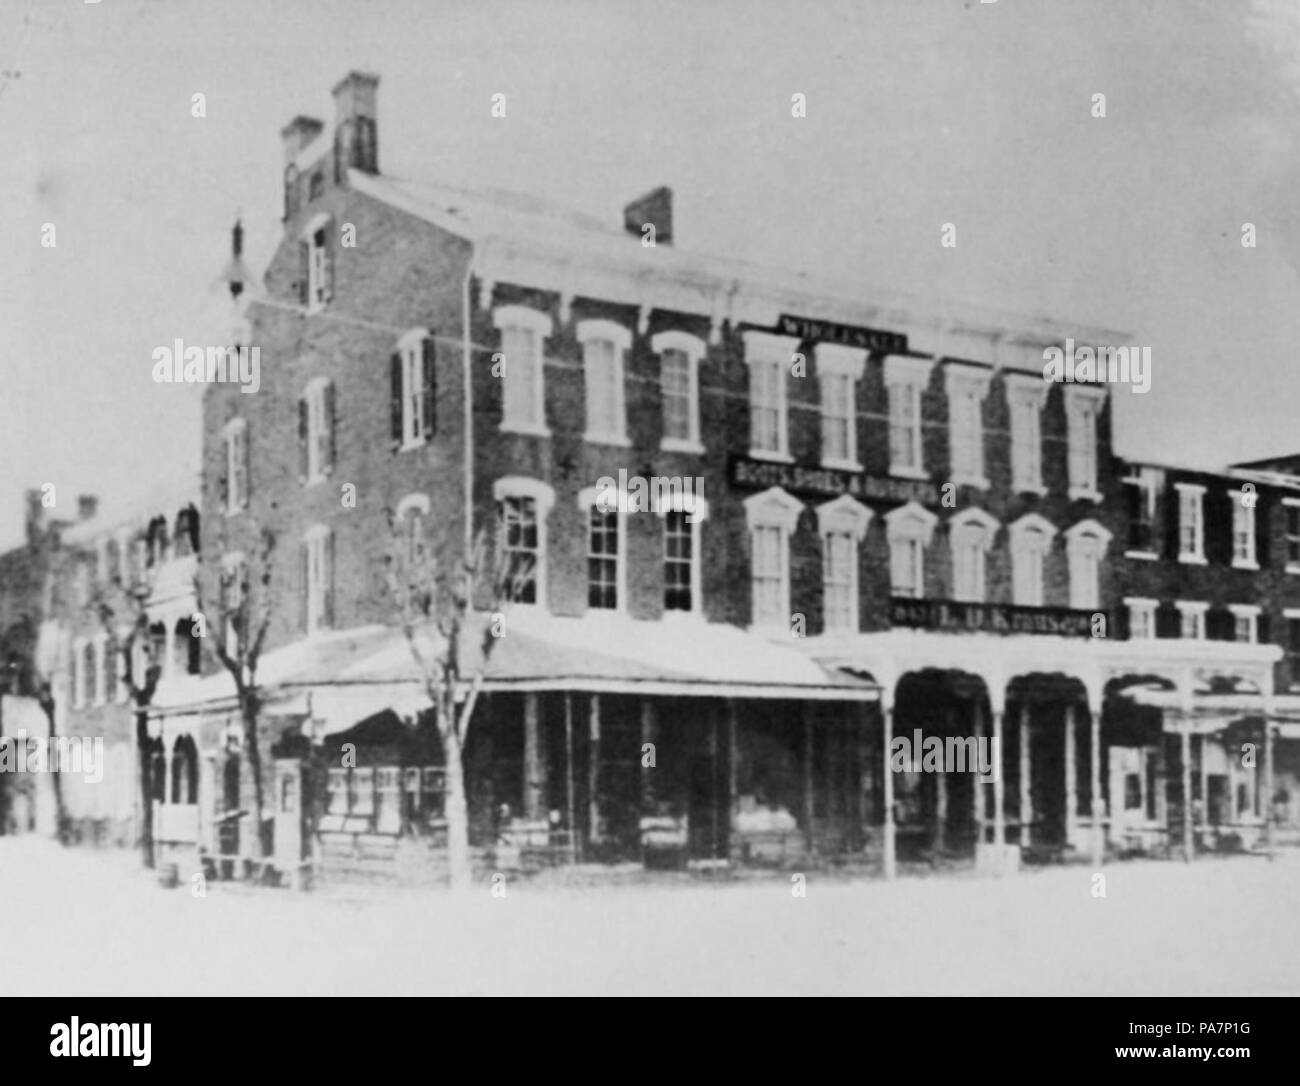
(604, 344)
(318, 564)
(1086, 544)
(413, 398)
(316, 431)
(679, 385)
(523, 336)
(1031, 540)
(905, 380)
(839, 369)
(971, 535)
(966, 387)
(1191, 523)
(236, 478)
(1025, 399)
(1140, 510)
(522, 505)
(909, 529)
(316, 269)
(1243, 532)
(772, 517)
(842, 524)
(769, 358)
(682, 522)
(602, 559)
(1082, 407)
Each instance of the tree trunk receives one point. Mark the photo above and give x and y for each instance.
(456, 810)
(60, 813)
(146, 788)
(255, 761)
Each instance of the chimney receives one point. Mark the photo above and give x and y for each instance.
(655, 209)
(298, 133)
(86, 506)
(356, 141)
(235, 274)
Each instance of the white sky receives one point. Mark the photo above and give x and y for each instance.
(920, 112)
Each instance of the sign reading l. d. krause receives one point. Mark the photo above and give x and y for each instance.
(849, 335)
(989, 618)
(820, 482)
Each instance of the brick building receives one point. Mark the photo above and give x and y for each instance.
(869, 515)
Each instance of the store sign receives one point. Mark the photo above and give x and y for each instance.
(999, 618)
(849, 335)
(816, 482)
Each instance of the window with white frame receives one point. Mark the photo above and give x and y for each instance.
(523, 505)
(1291, 528)
(318, 558)
(413, 391)
(905, 380)
(772, 516)
(236, 442)
(606, 548)
(604, 345)
(523, 339)
(1141, 618)
(1191, 620)
(1031, 541)
(1082, 408)
(908, 529)
(1140, 488)
(842, 524)
(769, 358)
(318, 269)
(966, 386)
(679, 388)
(1243, 531)
(1245, 622)
(410, 515)
(683, 515)
(316, 430)
(1085, 548)
(970, 537)
(1026, 396)
(839, 369)
(1191, 522)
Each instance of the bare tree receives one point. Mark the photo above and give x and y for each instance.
(440, 603)
(246, 601)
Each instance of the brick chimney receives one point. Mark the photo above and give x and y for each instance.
(87, 504)
(654, 208)
(298, 133)
(356, 139)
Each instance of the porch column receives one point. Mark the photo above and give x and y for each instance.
(568, 777)
(1162, 783)
(999, 783)
(1094, 784)
(648, 732)
(1071, 784)
(733, 776)
(941, 792)
(1185, 739)
(593, 769)
(534, 763)
(977, 793)
(808, 778)
(1268, 782)
(886, 729)
(1025, 811)
(1205, 791)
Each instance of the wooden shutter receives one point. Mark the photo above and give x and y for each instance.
(1262, 631)
(1262, 516)
(327, 574)
(1172, 499)
(328, 273)
(1217, 512)
(304, 433)
(395, 385)
(304, 272)
(331, 427)
(429, 387)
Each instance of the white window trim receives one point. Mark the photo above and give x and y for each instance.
(768, 349)
(234, 426)
(979, 518)
(1246, 610)
(1077, 397)
(1291, 567)
(521, 316)
(1252, 563)
(607, 331)
(910, 522)
(911, 376)
(844, 515)
(695, 351)
(1025, 390)
(314, 395)
(962, 380)
(543, 495)
(836, 360)
(1192, 607)
(317, 533)
(697, 512)
(772, 508)
(1075, 536)
(587, 498)
(1141, 605)
(1197, 557)
(412, 343)
(316, 223)
(1019, 533)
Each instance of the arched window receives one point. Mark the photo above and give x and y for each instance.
(157, 771)
(185, 771)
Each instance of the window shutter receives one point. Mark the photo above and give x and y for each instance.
(1168, 620)
(395, 382)
(1172, 502)
(1218, 513)
(428, 360)
(1262, 634)
(328, 273)
(1261, 535)
(331, 427)
(327, 595)
(304, 430)
(304, 272)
